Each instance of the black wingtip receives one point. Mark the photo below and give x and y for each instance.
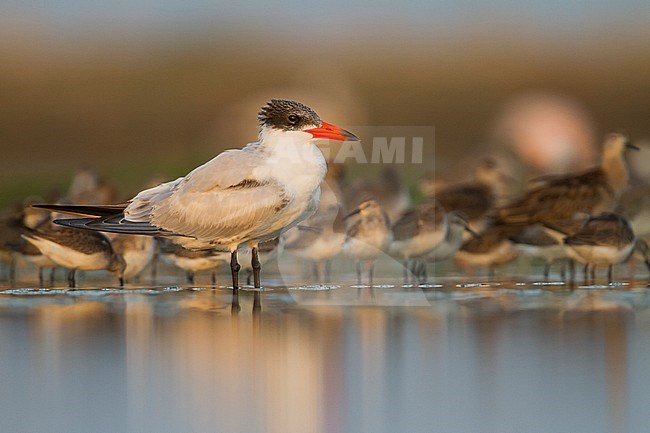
(77, 223)
(90, 211)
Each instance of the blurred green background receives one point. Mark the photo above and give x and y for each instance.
(137, 89)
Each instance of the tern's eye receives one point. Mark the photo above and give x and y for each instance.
(293, 118)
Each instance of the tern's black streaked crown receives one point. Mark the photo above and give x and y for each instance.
(288, 115)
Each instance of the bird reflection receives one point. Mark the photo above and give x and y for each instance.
(203, 355)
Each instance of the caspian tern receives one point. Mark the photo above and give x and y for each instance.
(242, 196)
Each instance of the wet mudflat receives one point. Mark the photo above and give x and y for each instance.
(460, 355)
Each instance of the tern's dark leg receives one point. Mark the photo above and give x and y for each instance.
(121, 279)
(234, 270)
(40, 276)
(214, 278)
(371, 271)
(586, 273)
(609, 274)
(189, 276)
(71, 278)
(572, 270)
(547, 270)
(257, 266)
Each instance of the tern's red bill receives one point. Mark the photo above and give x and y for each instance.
(332, 132)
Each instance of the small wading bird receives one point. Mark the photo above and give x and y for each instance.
(77, 250)
(368, 235)
(477, 199)
(137, 252)
(455, 225)
(490, 249)
(642, 251)
(605, 240)
(241, 197)
(388, 190)
(24, 251)
(417, 232)
(320, 238)
(192, 261)
(535, 242)
(556, 198)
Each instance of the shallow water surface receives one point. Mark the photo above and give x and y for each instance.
(455, 356)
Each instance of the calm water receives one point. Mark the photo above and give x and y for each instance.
(458, 357)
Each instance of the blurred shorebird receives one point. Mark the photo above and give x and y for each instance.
(32, 255)
(417, 232)
(317, 245)
(388, 191)
(77, 250)
(606, 239)
(192, 261)
(10, 225)
(368, 235)
(642, 250)
(33, 219)
(554, 198)
(455, 225)
(490, 249)
(477, 199)
(137, 252)
(319, 238)
(240, 197)
(88, 187)
(535, 242)
(634, 204)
